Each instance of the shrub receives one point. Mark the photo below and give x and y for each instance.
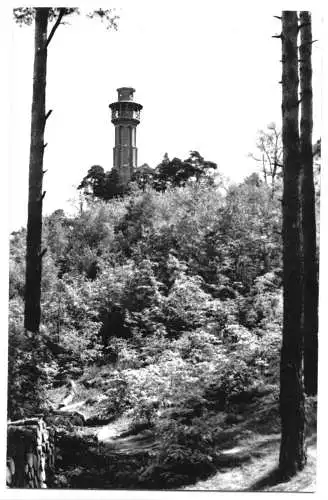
(185, 451)
(30, 369)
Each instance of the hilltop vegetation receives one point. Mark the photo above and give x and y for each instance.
(162, 306)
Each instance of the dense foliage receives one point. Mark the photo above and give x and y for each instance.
(168, 301)
(98, 184)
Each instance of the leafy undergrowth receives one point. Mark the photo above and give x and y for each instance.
(197, 406)
(243, 456)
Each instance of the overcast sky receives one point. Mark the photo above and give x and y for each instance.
(206, 74)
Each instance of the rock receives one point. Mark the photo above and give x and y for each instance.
(96, 420)
(65, 418)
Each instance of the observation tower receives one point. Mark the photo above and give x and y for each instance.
(125, 117)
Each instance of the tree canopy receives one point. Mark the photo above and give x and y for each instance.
(98, 184)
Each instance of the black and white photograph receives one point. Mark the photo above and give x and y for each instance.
(162, 291)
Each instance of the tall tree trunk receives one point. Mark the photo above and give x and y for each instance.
(292, 449)
(310, 297)
(34, 222)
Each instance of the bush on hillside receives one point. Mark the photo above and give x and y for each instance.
(31, 368)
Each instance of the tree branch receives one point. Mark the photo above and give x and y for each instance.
(44, 251)
(48, 114)
(254, 157)
(269, 160)
(55, 26)
(303, 25)
(308, 43)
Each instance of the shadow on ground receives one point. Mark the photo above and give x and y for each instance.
(245, 460)
(274, 479)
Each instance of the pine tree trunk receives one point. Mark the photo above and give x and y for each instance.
(292, 449)
(34, 222)
(310, 298)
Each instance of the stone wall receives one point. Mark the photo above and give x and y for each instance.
(30, 453)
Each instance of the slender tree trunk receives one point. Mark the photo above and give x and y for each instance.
(264, 170)
(292, 449)
(310, 297)
(34, 222)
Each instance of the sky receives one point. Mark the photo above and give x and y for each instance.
(205, 72)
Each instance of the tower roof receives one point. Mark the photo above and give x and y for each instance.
(125, 93)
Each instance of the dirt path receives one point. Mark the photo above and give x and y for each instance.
(109, 432)
(116, 438)
(114, 435)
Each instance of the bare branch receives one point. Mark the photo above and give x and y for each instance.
(55, 26)
(278, 17)
(303, 25)
(44, 251)
(250, 155)
(48, 114)
(269, 159)
(308, 43)
(45, 145)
